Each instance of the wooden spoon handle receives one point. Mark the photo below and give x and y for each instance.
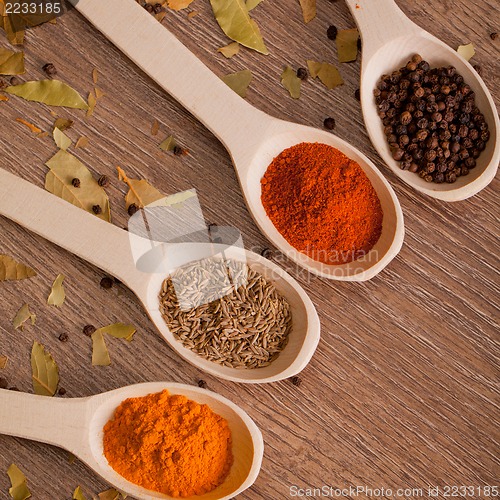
(59, 422)
(168, 62)
(379, 22)
(69, 227)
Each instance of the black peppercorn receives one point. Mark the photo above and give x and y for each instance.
(132, 209)
(494, 35)
(297, 381)
(50, 70)
(97, 209)
(178, 151)
(62, 391)
(149, 8)
(405, 118)
(202, 384)
(103, 181)
(302, 73)
(3, 84)
(15, 81)
(157, 8)
(106, 283)
(75, 182)
(63, 337)
(88, 330)
(267, 253)
(329, 123)
(331, 32)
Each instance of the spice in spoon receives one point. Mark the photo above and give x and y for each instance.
(247, 328)
(169, 444)
(322, 203)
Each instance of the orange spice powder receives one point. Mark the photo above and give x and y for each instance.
(322, 203)
(169, 444)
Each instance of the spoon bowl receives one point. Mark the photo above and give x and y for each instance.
(251, 137)
(77, 425)
(109, 248)
(390, 39)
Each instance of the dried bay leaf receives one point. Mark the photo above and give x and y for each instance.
(50, 92)
(291, 82)
(64, 167)
(168, 144)
(119, 331)
(155, 127)
(15, 37)
(308, 9)
(239, 81)
(3, 362)
(466, 51)
(63, 124)
(92, 104)
(230, 50)
(98, 93)
(13, 270)
(95, 75)
(61, 139)
(82, 142)
(19, 489)
(78, 494)
(141, 193)
(57, 294)
(326, 72)
(251, 4)
(236, 23)
(110, 494)
(347, 45)
(45, 373)
(100, 354)
(24, 314)
(11, 63)
(179, 4)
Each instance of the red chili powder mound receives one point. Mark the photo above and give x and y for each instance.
(169, 444)
(322, 203)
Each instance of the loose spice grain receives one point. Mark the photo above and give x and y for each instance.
(247, 328)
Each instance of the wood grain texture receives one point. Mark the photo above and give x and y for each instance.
(404, 388)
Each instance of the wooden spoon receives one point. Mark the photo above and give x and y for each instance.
(77, 425)
(109, 248)
(252, 137)
(389, 40)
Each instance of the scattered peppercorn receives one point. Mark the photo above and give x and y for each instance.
(63, 337)
(97, 209)
(202, 384)
(107, 283)
(3, 383)
(296, 381)
(302, 73)
(157, 8)
(76, 182)
(357, 94)
(267, 253)
(329, 123)
(3, 84)
(15, 81)
(50, 70)
(331, 32)
(62, 391)
(132, 209)
(178, 151)
(431, 120)
(88, 330)
(494, 35)
(149, 8)
(103, 181)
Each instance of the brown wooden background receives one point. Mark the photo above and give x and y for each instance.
(404, 388)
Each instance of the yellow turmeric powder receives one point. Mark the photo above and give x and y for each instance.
(170, 444)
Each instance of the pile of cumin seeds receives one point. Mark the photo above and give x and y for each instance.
(246, 329)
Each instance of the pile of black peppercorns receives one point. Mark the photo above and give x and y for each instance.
(431, 121)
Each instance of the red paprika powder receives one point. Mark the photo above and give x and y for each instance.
(322, 203)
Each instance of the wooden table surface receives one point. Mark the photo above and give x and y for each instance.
(403, 391)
